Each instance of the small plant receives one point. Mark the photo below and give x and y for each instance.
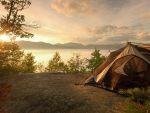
(137, 101)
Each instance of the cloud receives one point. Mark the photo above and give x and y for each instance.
(101, 29)
(121, 38)
(116, 4)
(117, 39)
(71, 7)
(124, 27)
(109, 34)
(86, 7)
(51, 29)
(86, 40)
(147, 16)
(115, 34)
(104, 21)
(143, 36)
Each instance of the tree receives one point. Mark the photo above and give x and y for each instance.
(14, 61)
(95, 60)
(55, 64)
(40, 67)
(28, 64)
(10, 55)
(14, 24)
(76, 64)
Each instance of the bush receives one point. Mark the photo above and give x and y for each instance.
(137, 101)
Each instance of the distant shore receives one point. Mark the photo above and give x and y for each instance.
(71, 45)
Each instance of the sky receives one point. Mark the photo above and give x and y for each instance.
(89, 21)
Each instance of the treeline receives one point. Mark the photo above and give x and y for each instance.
(13, 60)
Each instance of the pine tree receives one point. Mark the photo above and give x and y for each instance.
(95, 60)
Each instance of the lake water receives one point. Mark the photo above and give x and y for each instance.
(46, 55)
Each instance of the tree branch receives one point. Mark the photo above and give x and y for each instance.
(14, 24)
(14, 18)
(10, 11)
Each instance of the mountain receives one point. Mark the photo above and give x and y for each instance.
(71, 45)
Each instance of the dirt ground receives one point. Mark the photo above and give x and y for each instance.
(58, 93)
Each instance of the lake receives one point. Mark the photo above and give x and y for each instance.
(46, 55)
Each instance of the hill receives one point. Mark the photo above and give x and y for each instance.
(71, 45)
(57, 93)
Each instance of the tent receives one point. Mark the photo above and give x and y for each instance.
(124, 68)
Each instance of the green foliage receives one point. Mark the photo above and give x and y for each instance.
(14, 61)
(28, 63)
(76, 65)
(95, 60)
(138, 100)
(13, 24)
(10, 55)
(55, 64)
(137, 94)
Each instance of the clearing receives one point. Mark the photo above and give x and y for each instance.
(57, 93)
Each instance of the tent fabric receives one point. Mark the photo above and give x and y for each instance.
(120, 68)
(127, 67)
(90, 80)
(129, 50)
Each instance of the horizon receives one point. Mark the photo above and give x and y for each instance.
(88, 22)
(64, 43)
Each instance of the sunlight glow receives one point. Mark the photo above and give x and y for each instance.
(4, 38)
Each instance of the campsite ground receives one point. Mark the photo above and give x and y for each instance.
(58, 93)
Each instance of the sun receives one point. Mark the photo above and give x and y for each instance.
(4, 38)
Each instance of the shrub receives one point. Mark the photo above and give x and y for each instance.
(137, 101)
